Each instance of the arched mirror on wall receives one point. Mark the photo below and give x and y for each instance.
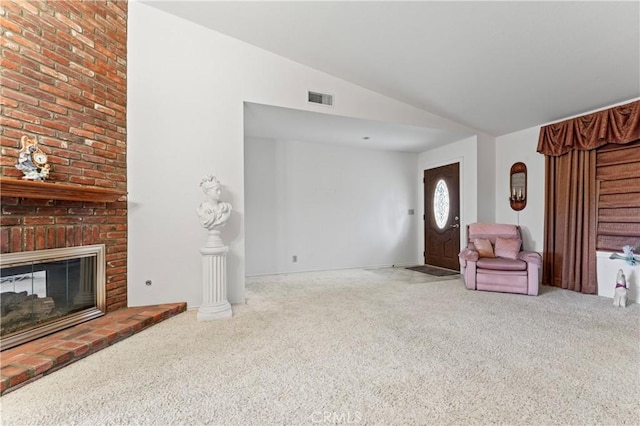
(518, 186)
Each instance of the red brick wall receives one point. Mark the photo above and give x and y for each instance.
(63, 81)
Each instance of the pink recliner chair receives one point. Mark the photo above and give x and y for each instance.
(494, 260)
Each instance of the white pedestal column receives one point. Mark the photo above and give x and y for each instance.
(214, 281)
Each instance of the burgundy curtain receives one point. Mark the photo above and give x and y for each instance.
(570, 222)
(569, 258)
(618, 125)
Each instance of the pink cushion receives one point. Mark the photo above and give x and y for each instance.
(507, 248)
(502, 264)
(491, 231)
(483, 247)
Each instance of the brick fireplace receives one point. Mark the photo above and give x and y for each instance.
(64, 67)
(63, 81)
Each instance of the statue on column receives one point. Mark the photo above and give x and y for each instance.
(213, 212)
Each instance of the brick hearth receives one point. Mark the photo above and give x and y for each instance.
(30, 361)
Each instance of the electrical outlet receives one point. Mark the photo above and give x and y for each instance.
(295, 259)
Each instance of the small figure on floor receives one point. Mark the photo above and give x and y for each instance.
(620, 293)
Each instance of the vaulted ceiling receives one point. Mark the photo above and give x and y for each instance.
(497, 67)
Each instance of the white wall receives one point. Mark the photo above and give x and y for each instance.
(464, 152)
(512, 148)
(186, 89)
(486, 178)
(331, 206)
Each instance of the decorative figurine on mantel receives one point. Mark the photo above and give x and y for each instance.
(32, 160)
(214, 214)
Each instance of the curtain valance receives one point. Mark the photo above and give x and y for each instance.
(619, 125)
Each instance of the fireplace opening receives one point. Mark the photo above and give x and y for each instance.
(48, 290)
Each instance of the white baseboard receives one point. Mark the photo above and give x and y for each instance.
(395, 265)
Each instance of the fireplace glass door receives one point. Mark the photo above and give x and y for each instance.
(46, 290)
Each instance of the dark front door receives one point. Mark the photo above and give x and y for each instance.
(442, 216)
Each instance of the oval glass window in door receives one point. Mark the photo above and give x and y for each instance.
(441, 204)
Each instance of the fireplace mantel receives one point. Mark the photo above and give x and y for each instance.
(58, 191)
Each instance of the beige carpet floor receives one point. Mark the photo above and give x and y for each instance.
(378, 347)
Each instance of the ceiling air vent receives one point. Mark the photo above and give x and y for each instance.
(320, 98)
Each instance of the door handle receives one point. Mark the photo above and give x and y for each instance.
(455, 225)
